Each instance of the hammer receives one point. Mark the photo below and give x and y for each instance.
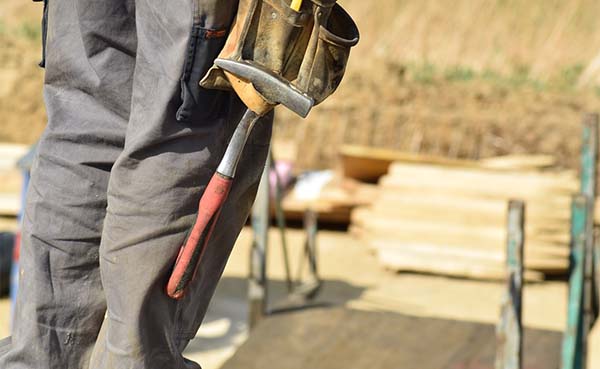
(270, 90)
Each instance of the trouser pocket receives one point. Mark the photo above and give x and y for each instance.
(44, 32)
(198, 103)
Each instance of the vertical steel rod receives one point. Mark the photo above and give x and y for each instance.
(589, 160)
(281, 225)
(572, 353)
(257, 283)
(589, 155)
(310, 225)
(509, 332)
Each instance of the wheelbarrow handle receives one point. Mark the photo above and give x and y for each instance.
(191, 252)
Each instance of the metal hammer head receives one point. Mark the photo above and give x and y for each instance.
(274, 88)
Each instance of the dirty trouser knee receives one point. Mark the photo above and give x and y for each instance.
(116, 185)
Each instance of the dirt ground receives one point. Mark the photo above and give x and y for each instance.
(384, 101)
(353, 278)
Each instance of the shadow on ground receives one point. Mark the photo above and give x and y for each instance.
(225, 326)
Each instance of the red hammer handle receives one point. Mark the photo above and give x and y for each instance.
(192, 250)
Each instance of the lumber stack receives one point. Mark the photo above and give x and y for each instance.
(451, 219)
(10, 178)
(368, 164)
(334, 202)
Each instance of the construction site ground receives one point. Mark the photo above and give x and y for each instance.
(354, 279)
(482, 93)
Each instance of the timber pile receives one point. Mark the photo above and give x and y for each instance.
(451, 219)
(368, 164)
(10, 178)
(334, 202)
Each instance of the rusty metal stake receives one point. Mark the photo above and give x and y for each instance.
(509, 332)
(573, 352)
(257, 282)
(589, 160)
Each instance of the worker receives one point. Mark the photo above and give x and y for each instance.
(131, 142)
(116, 183)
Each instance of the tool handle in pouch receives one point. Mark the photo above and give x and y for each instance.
(192, 250)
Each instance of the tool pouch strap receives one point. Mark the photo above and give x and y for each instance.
(309, 48)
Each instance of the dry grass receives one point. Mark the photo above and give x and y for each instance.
(460, 78)
(464, 78)
(544, 37)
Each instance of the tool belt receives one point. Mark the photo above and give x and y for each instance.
(309, 47)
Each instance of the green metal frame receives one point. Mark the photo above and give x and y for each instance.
(589, 160)
(509, 332)
(585, 254)
(572, 349)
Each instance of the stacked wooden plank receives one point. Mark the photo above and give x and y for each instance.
(365, 163)
(334, 202)
(450, 219)
(10, 178)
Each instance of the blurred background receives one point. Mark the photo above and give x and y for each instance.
(380, 240)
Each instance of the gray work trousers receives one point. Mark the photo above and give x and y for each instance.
(131, 143)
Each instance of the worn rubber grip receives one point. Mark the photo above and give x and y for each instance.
(192, 250)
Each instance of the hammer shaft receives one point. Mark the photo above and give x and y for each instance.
(234, 150)
(209, 208)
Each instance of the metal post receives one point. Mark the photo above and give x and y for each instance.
(509, 332)
(589, 155)
(596, 272)
(311, 286)
(572, 349)
(589, 160)
(310, 225)
(257, 283)
(280, 219)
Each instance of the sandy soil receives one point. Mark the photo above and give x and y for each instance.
(353, 278)
(379, 106)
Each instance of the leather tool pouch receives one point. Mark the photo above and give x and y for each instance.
(324, 63)
(309, 48)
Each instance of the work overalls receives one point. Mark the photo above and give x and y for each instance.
(131, 143)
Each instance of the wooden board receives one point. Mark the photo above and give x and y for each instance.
(536, 224)
(497, 252)
(401, 261)
(518, 162)
(10, 204)
(367, 163)
(477, 183)
(334, 203)
(415, 229)
(10, 154)
(394, 202)
(348, 339)
(11, 181)
(458, 241)
(326, 212)
(425, 258)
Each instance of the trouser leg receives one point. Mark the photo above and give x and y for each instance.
(60, 305)
(155, 186)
